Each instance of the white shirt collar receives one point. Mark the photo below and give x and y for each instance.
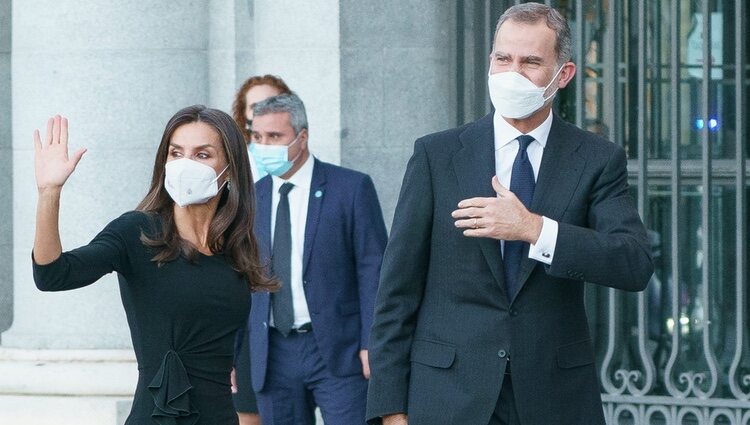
(506, 133)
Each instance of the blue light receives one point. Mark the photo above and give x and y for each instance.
(713, 124)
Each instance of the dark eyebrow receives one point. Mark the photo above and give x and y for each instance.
(525, 59)
(204, 146)
(532, 58)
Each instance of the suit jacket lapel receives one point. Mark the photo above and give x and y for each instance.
(262, 226)
(263, 218)
(474, 165)
(559, 174)
(317, 194)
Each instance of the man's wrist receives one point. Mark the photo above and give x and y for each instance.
(535, 229)
(395, 419)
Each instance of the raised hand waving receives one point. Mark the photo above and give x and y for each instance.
(52, 164)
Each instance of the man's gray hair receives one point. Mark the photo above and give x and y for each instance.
(290, 103)
(531, 13)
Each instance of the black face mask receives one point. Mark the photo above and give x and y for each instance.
(248, 125)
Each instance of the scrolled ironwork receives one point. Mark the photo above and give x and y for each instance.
(646, 360)
(733, 417)
(682, 413)
(607, 383)
(651, 410)
(629, 408)
(690, 379)
(666, 410)
(628, 378)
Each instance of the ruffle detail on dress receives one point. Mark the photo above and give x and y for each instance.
(170, 389)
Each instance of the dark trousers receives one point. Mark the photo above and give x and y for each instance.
(505, 410)
(297, 381)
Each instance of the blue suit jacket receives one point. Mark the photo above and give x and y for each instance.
(345, 238)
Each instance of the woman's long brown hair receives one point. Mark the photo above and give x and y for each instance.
(231, 230)
(238, 107)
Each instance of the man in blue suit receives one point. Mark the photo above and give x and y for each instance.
(321, 231)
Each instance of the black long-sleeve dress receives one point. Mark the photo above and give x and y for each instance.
(183, 317)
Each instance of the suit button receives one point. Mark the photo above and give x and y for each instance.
(501, 354)
(514, 312)
(265, 324)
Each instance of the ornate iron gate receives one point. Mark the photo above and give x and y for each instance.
(678, 353)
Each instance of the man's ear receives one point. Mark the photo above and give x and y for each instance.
(303, 137)
(566, 74)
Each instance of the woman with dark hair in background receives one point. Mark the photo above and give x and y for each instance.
(252, 91)
(186, 260)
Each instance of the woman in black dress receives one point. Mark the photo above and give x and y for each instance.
(186, 261)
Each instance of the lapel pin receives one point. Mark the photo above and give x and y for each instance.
(318, 193)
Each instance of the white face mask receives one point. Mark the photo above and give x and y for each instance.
(189, 182)
(514, 96)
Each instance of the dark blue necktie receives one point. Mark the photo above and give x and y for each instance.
(281, 260)
(522, 184)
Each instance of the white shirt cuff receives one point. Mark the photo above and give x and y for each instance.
(544, 248)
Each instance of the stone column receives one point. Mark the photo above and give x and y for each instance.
(221, 56)
(299, 41)
(397, 84)
(118, 70)
(6, 172)
(244, 43)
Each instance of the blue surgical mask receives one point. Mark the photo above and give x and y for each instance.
(257, 168)
(273, 159)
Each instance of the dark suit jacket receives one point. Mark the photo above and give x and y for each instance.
(444, 325)
(345, 238)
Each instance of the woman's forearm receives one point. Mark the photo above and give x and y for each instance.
(47, 246)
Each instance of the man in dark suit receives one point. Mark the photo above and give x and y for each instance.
(480, 317)
(321, 230)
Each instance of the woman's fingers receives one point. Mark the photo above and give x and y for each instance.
(56, 130)
(37, 141)
(55, 145)
(48, 134)
(77, 156)
(64, 132)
